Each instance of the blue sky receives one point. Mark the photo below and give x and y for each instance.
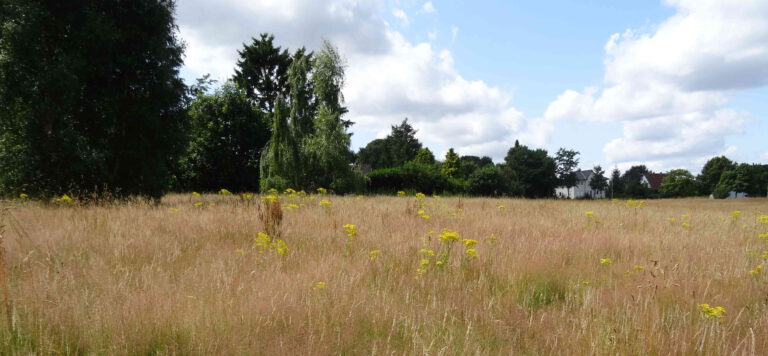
(667, 84)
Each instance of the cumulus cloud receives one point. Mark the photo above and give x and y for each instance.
(428, 7)
(402, 16)
(670, 86)
(388, 77)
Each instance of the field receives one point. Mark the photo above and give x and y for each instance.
(193, 276)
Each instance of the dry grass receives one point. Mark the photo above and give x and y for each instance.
(141, 279)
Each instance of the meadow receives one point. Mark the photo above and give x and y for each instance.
(297, 274)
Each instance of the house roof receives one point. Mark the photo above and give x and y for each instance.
(583, 175)
(655, 179)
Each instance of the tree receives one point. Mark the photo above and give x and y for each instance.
(615, 183)
(711, 172)
(734, 180)
(488, 180)
(376, 154)
(279, 166)
(227, 136)
(451, 164)
(566, 162)
(757, 179)
(599, 182)
(679, 183)
(327, 149)
(262, 71)
(530, 171)
(632, 182)
(424, 157)
(90, 96)
(403, 144)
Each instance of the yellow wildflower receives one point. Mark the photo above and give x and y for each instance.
(351, 230)
(449, 236)
(223, 191)
(586, 282)
(502, 207)
(280, 247)
(469, 243)
(319, 286)
(420, 196)
(492, 239)
(173, 210)
(374, 254)
(735, 214)
(427, 253)
(196, 194)
(248, 196)
(326, 203)
(471, 252)
(424, 262)
(605, 261)
(322, 191)
(65, 199)
(711, 312)
(400, 193)
(198, 204)
(241, 252)
(671, 220)
(23, 196)
(763, 219)
(639, 268)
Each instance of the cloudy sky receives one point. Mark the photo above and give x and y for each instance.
(667, 84)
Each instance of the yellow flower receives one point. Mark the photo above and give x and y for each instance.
(241, 252)
(471, 252)
(671, 220)
(502, 207)
(420, 196)
(469, 243)
(198, 204)
(64, 199)
(605, 261)
(421, 270)
(223, 191)
(196, 194)
(590, 214)
(272, 191)
(687, 225)
(439, 263)
(586, 282)
(425, 217)
(374, 254)
(427, 253)
(764, 255)
(261, 242)
(319, 286)
(639, 268)
(359, 197)
(289, 191)
(735, 214)
(492, 239)
(400, 193)
(326, 203)
(449, 236)
(322, 190)
(23, 196)
(280, 247)
(351, 230)
(763, 219)
(424, 262)
(173, 210)
(756, 270)
(711, 312)
(247, 196)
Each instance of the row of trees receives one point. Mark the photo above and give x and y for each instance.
(91, 102)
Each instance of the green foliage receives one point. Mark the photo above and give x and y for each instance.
(414, 177)
(262, 71)
(450, 166)
(566, 162)
(679, 183)
(424, 157)
(631, 182)
(599, 182)
(398, 147)
(279, 167)
(488, 180)
(469, 164)
(531, 172)
(735, 180)
(757, 179)
(615, 185)
(226, 138)
(711, 172)
(90, 96)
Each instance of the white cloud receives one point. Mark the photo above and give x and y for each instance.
(402, 16)
(454, 32)
(388, 77)
(428, 7)
(670, 86)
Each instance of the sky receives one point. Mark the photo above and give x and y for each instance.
(667, 84)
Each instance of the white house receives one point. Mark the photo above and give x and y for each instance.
(582, 188)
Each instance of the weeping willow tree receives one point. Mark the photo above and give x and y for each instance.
(309, 147)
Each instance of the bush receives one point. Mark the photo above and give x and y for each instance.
(487, 181)
(415, 177)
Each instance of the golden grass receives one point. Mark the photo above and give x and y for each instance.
(140, 279)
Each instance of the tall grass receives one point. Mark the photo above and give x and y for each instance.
(137, 278)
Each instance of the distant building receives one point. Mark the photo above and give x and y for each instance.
(582, 188)
(652, 180)
(732, 195)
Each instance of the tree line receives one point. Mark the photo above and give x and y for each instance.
(92, 103)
